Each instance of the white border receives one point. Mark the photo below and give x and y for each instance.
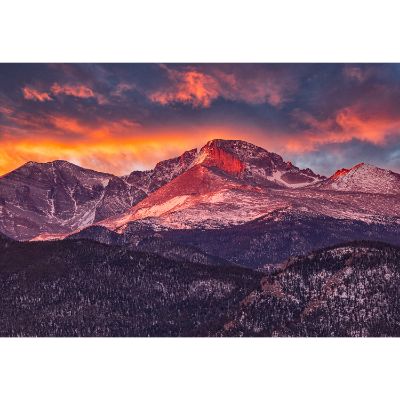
(189, 31)
(199, 369)
(206, 31)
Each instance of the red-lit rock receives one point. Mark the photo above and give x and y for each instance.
(225, 161)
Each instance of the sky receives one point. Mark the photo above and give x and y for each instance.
(123, 117)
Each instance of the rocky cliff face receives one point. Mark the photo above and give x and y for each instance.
(214, 155)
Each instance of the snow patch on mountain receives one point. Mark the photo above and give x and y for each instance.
(160, 209)
(277, 178)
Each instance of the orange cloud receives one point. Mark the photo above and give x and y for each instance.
(80, 91)
(191, 87)
(347, 124)
(35, 95)
(70, 90)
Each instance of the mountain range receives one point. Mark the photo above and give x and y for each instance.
(229, 227)
(225, 183)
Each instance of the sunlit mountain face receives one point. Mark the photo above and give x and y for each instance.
(118, 118)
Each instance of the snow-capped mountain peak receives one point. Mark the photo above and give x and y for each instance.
(364, 178)
(254, 164)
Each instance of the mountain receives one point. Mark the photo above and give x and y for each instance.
(346, 290)
(59, 197)
(50, 197)
(268, 241)
(229, 182)
(363, 178)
